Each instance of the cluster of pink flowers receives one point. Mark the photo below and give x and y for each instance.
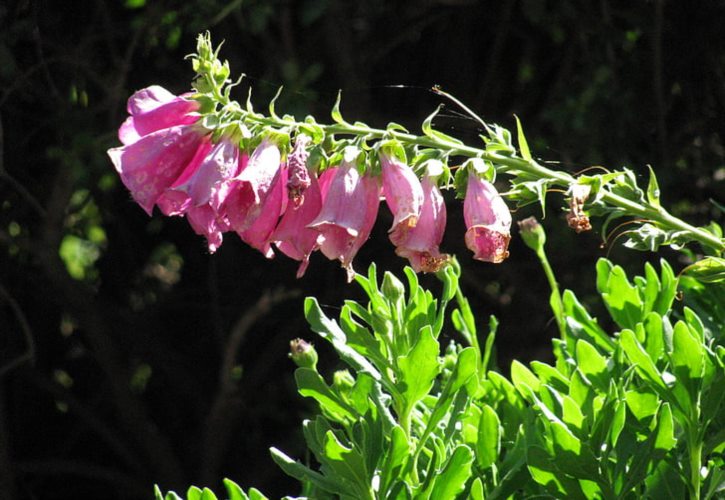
(169, 160)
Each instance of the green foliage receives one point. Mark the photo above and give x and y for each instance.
(638, 414)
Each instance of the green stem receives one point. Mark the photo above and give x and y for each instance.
(504, 163)
(556, 304)
(694, 445)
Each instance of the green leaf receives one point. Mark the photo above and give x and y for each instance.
(476, 492)
(429, 131)
(452, 479)
(571, 414)
(665, 482)
(396, 456)
(419, 368)
(235, 492)
(522, 376)
(310, 384)
(303, 473)
(523, 145)
(488, 446)
(620, 297)
(665, 430)
(207, 494)
(330, 331)
(642, 404)
(654, 342)
(653, 189)
(347, 462)
(335, 113)
(640, 358)
(580, 324)
(687, 358)
(707, 270)
(157, 493)
(193, 493)
(592, 364)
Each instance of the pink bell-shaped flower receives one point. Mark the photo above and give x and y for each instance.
(259, 233)
(488, 220)
(210, 182)
(292, 236)
(402, 191)
(348, 212)
(248, 191)
(205, 221)
(155, 108)
(420, 243)
(151, 164)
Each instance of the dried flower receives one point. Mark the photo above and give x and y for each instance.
(577, 218)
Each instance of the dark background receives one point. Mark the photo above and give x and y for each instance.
(130, 356)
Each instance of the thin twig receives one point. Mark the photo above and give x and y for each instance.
(29, 354)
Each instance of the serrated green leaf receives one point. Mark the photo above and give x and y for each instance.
(419, 368)
(310, 384)
(330, 331)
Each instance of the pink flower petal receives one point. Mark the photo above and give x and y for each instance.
(402, 190)
(420, 244)
(152, 164)
(348, 214)
(488, 221)
(155, 108)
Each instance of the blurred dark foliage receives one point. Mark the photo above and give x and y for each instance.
(130, 356)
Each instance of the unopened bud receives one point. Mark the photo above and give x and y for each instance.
(532, 233)
(303, 354)
(343, 381)
(393, 288)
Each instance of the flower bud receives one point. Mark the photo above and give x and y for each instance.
(303, 354)
(343, 381)
(532, 233)
(393, 288)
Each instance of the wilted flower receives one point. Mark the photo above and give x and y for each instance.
(420, 243)
(155, 108)
(488, 220)
(299, 177)
(577, 218)
(348, 212)
(402, 191)
(292, 236)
